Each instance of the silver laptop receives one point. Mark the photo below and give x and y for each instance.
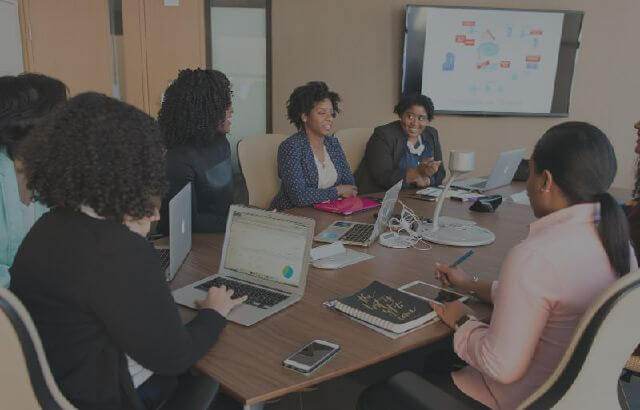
(172, 257)
(266, 257)
(358, 233)
(502, 173)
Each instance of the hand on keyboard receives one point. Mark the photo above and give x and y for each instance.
(219, 299)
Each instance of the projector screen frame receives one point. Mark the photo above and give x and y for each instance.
(412, 60)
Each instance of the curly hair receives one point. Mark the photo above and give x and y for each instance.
(304, 98)
(194, 107)
(100, 152)
(408, 101)
(24, 100)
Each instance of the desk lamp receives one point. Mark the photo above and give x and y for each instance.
(453, 231)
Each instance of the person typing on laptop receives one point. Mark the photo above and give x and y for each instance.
(90, 279)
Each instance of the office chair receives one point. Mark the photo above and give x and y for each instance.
(258, 159)
(588, 375)
(26, 381)
(354, 142)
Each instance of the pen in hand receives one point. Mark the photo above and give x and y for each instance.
(442, 276)
(461, 259)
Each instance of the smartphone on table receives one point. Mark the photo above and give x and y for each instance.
(311, 356)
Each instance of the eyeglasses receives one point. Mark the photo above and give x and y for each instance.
(411, 116)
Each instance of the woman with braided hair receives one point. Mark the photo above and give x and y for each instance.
(194, 118)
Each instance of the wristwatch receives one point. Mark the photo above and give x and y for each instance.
(462, 321)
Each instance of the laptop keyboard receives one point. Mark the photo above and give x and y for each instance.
(164, 258)
(258, 297)
(358, 233)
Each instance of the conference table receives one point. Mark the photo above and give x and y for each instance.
(247, 361)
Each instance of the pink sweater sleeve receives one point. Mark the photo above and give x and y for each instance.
(503, 350)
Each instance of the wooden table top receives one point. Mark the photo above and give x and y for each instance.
(247, 360)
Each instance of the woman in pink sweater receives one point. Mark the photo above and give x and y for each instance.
(576, 249)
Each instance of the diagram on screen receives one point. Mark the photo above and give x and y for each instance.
(502, 61)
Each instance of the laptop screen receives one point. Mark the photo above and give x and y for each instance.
(266, 247)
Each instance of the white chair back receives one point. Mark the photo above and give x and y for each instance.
(26, 381)
(258, 160)
(353, 142)
(587, 376)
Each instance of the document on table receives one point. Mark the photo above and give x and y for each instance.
(336, 256)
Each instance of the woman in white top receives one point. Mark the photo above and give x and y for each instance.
(311, 163)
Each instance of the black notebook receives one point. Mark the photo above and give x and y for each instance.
(387, 308)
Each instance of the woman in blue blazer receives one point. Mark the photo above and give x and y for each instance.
(311, 163)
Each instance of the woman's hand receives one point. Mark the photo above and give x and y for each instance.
(455, 277)
(413, 176)
(346, 191)
(428, 167)
(219, 299)
(451, 312)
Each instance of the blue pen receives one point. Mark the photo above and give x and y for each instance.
(461, 259)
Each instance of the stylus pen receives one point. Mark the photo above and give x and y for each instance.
(461, 259)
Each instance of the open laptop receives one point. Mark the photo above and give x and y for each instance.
(266, 257)
(502, 173)
(358, 233)
(172, 257)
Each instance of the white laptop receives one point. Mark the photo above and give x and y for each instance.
(502, 173)
(172, 257)
(265, 256)
(358, 233)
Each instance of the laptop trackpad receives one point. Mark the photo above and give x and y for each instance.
(246, 314)
(335, 231)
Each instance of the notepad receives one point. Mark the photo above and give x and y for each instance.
(387, 308)
(348, 206)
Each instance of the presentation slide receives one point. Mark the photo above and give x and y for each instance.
(491, 60)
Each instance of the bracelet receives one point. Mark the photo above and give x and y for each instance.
(474, 279)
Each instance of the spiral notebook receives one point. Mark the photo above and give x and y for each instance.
(386, 308)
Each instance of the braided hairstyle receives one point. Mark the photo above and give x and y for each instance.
(100, 152)
(583, 164)
(194, 107)
(304, 98)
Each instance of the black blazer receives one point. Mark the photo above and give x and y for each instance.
(380, 167)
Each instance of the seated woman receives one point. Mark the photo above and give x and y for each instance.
(578, 248)
(311, 163)
(195, 118)
(407, 149)
(24, 100)
(86, 273)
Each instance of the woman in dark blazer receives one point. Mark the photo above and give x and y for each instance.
(311, 163)
(407, 149)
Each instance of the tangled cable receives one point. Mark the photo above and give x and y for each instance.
(404, 231)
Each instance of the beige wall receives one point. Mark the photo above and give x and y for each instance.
(356, 45)
(158, 41)
(69, 40)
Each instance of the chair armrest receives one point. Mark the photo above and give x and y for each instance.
(418, 394)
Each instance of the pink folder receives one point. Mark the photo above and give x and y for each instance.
(347, 206)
